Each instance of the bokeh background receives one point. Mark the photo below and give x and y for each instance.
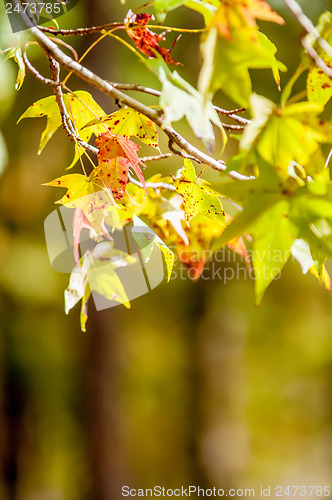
(193, 384)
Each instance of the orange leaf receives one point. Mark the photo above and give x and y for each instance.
(233, 15)
(259, 9)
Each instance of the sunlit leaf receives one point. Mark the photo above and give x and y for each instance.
(197, 198)
(226, 63)
(45, 107)
(128, 123)
(77, 186)
(319, 84)
(282, 136)
(81, 107)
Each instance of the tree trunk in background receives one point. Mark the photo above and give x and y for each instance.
(13, 406)
(102, 332)
(103, 420)
(195, 315)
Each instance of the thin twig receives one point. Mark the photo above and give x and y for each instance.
(308, 26)
(236, 128)
(153, 185)
(179, 152)
(154, 158)
(227, 112)
(36, 73)
(328, 158)
(80, 31)
(231, 114)
(136, 87)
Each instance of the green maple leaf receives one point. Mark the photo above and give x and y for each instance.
(273, 236)
(226, 63)
(284, 135)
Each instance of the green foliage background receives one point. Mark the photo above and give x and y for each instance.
(193, 385)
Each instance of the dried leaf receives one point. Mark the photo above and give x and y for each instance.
(146, 40)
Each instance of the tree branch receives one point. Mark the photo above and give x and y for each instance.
(230, 113)
(66, 121)
(95, 81)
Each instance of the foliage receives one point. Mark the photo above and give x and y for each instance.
(279, 179)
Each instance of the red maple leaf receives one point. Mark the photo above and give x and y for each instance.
(113, 174)
(116, 155)
(147, 41)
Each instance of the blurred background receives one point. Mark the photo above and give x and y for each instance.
(193, 384)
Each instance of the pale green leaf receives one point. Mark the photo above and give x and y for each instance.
(188, 102)
(273, 236)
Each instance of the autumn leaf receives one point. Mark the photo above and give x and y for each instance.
(146, 239)
(49, 108)
(146, 40)
(319, 84)
(230, 73)
(81, 108)
(237, 14)
(129, 123)
(197, 198)
(116, 155)
(273, 236)
(97, 273)
(113, 174)
(77, 186)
